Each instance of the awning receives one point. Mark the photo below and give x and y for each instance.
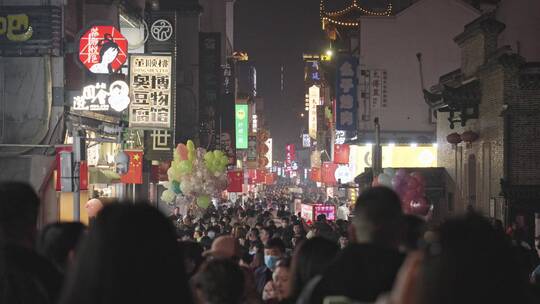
(103, 176)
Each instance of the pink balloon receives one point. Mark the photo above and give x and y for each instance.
(406, 206)
(419, 177)
(410, 195)
(412, 183)
(182, 151)
(420, 206)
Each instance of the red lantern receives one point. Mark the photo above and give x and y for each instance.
(454, 138)
(469, 136)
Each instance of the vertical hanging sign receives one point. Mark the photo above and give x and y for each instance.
(150, 82)
(314, 95)
(242, 126)
(346, 101)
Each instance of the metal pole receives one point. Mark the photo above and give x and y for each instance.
(76, 176)
(377, 151)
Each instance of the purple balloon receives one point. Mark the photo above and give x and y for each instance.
(401, 172)
(396, 182)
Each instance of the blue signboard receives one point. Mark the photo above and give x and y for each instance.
(346, 93)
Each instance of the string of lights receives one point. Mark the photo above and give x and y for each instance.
(326, 16)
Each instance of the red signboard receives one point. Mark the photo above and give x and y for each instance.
(291, 155)
(134, 174)
(341, 154)
(235, 179)
(83, 170)
(103, 49)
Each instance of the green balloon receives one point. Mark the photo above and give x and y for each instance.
(208, 156)
(190, 145)
(191, 155)
(175, 187)
(203, 201)
(185, 167)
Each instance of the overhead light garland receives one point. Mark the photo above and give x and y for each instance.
(326, 16)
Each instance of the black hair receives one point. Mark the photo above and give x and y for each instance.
(107, 43)
(220, 281)
(275, 244)
(380, 207)
(312, 257)
(19, 207)
(57, 240)
(470, 263)
(129, 256)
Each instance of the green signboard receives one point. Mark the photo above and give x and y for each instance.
(242, 126)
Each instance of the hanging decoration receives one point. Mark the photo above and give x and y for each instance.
(196, 174)
(411, 189)
(329, 18)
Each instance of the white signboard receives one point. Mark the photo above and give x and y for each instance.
(314, 96)
(100, 98)
(269, 153)
(306, 141)
(150, 81)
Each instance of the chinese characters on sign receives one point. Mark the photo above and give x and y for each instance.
(252, 148)
(158, 145)
(98, 98)
(242, 126)
(378, 89)
(103, 49)
(346, 101)
(150, 81)
(314, 95)
(30, 31)
(16, 27)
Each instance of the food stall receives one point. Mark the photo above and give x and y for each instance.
(309, 212)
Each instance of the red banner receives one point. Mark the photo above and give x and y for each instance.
(328, 173)
(134, 174)
(260, 176)
(270, 178)
(315, 174)
(236, 179)
(341, 154)
(83, 170)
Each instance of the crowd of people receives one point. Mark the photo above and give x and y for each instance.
(259, 251)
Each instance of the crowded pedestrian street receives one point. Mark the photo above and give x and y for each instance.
(269, 152)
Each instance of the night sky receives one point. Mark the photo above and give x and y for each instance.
(276, 33)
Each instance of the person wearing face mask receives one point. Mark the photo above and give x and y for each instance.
(273, 251)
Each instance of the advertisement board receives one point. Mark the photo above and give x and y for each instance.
(150, 82)
(346, 95)
(314, 96)
(241, 126)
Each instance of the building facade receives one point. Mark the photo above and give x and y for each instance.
(488, 127)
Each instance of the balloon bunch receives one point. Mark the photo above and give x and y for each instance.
(196, 173)
(410, 188)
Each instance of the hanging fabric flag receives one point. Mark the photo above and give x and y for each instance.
(328, 173)
(134, 174)
(236, 179)
(341, 154)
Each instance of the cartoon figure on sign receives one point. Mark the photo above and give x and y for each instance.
(107, 54)
(102, 49)
(119, 96)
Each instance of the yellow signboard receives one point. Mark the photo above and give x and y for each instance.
(394, 157)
